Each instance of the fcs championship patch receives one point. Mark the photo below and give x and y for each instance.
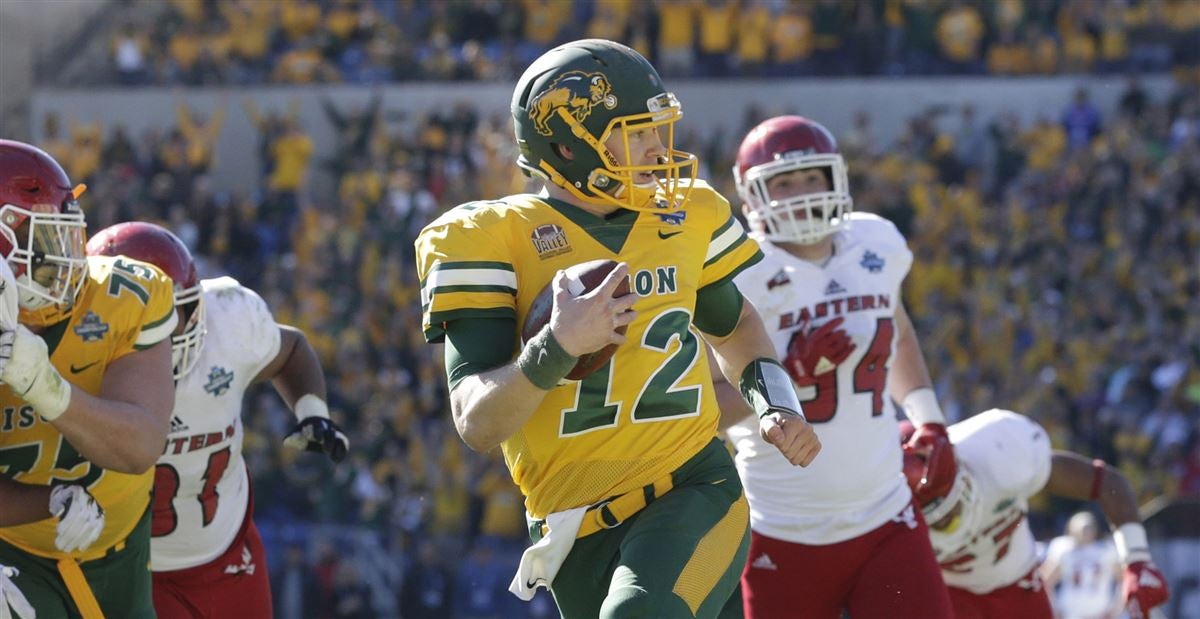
(219, 380)
(872, 262)
(550, 240)
(90, 328)
(575, 91)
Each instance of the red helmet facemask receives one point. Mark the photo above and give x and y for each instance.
(158, 246)
(42, 231)
(782, 145)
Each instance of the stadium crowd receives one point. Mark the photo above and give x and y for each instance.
(201, 42)
(1055, 274)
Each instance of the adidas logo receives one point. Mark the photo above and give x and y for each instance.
(778, 279)
(177, 425)
(834, 287)
(764, 562)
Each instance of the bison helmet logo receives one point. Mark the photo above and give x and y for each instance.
(576, 91)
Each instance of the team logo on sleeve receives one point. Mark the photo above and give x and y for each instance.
(549, 240)
(219, 380)
(90, 328)
(576, 92)
(872, 262)
(778, 279)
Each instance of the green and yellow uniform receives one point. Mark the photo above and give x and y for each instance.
(123, 306)
(652, 409)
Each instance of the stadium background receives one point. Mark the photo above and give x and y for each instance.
(1042, 156)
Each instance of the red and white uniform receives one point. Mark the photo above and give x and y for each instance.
(1088, 585)
(855, 484)
(842, 533)
(993, 552)
(202, 489)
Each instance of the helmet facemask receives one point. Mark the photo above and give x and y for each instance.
(48, 256)
(803, 219)
(186, 346)
(614, 184)
(961, 496)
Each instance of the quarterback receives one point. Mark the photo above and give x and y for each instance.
(843, 534)
(982, 538)
(634, 505)
(87, 394)
(206, 554)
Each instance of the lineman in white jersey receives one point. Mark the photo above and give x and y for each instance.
(843, 534)
(980, 533)
(1085, 569)
(207, 557)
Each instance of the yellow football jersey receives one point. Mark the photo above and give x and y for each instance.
(124, 306)
(652, 407)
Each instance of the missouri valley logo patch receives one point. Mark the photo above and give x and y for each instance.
(90, 328)
(575, 92)
(549, 240)
(872, 262)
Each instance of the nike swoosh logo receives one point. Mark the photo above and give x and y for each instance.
(76, 370)
(666, 235)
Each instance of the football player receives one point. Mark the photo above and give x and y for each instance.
(87, 393)
(206, 553)
(1086, 569)
(980, 533)
(636, 507)
(842, 534)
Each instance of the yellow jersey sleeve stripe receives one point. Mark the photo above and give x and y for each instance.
(739, 257)
(723, 240)
(157, 330)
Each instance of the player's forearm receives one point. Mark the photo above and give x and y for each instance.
(908, 371)
(301, 373)
(748, 341)
(491, 406)
(118, 436)
(1073, 476)
(23, 503)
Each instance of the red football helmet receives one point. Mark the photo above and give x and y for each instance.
(785, 144)
(158, 246)
(42, 231)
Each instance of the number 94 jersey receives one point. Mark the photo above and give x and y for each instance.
(124, 306)
(652, 406)
(855, 484)
(201, 489)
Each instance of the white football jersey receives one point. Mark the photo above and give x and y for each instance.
(1087, 584)
(201, 489)
(1008, 458)
(855, 484)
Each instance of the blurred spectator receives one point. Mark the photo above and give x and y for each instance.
(428, 589)
(1081, 121)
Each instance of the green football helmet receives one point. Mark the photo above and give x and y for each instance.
(580, 94)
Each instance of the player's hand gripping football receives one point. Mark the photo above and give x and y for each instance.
(1144, 587)
(589, 322)
(80, 517)
(932, 444)
(11, 598)
(811, 354)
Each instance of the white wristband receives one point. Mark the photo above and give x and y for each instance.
(310, 405)
(1132, 546)
(921, 407)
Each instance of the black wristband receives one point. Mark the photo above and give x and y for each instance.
(543, 360)
(768, 389)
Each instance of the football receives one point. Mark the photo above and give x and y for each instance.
(581, 278)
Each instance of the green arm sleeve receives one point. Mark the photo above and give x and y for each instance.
(718, 307)
(475, 345)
